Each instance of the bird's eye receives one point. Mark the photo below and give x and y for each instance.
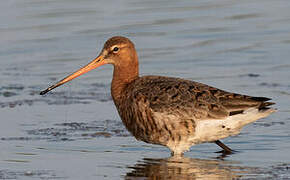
(116, 49)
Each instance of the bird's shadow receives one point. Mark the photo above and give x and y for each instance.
(187, 168)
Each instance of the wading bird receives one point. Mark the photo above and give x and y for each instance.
(168, 111)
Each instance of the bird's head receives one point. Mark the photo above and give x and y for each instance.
(118, 51)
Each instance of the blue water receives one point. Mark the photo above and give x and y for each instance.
(74, 132)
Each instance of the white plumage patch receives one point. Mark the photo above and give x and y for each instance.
(215, 129)
(212, 130)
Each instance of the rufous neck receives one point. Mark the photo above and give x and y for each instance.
(122, 76)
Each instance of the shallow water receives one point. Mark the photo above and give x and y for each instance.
(74, 132)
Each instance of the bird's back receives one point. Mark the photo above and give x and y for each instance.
(204, 102)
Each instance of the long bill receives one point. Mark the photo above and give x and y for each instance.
(99, 61)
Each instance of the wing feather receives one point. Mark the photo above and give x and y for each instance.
(200, 101)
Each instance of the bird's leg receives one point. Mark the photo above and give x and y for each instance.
(176, 154)
(225, 148)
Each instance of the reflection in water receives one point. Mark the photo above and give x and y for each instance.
(186, 168)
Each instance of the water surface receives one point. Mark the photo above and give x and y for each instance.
(75, 132)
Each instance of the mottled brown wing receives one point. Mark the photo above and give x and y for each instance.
(174, 95)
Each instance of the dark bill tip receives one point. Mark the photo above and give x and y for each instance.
(49, 89)
(44, 92)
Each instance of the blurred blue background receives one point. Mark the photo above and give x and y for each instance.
(74, 132)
